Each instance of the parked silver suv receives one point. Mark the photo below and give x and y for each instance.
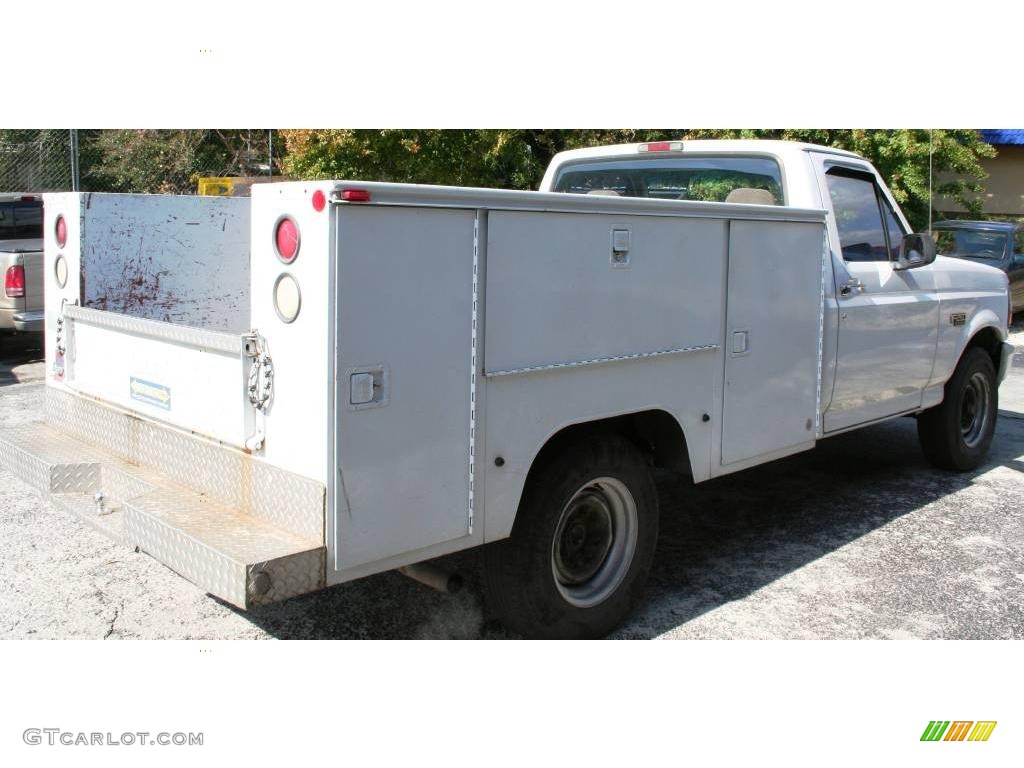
(21, 263)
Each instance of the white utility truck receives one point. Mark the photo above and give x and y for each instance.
(338, 378)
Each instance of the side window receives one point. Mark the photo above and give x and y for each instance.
(858, 217)
(894, 228)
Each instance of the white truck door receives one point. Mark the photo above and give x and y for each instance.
(404, 345)
(773, 326)
(888, 319)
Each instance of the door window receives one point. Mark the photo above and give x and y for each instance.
(858, 216)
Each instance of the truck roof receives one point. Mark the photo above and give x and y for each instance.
(730, 146)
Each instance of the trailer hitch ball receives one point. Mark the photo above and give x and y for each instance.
(260, 583)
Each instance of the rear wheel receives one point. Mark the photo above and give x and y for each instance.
(582, 545)
(957, 433)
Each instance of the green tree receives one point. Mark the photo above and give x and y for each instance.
(490, 158)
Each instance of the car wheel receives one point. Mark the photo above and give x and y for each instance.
(957, 433)
(582, 544)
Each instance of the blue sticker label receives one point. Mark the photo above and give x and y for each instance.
(150, 393)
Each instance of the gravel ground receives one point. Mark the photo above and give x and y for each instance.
(858, 538)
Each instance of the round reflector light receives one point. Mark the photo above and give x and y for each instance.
(60, 271)
(287, 298)
(60, 229)
(319, 200)
(286, 239)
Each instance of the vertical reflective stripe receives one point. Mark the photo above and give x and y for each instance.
(474, 319)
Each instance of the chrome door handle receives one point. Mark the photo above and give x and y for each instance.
(853, 285)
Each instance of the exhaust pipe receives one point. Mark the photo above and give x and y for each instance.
(433, 577)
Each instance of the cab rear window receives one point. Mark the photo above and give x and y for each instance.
(21, 219)
(701, 178)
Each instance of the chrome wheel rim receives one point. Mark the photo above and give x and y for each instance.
(594, 542)
(974, 410)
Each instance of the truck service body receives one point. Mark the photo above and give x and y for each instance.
(349, 377)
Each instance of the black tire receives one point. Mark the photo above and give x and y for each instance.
(949, 437)
(586, 481)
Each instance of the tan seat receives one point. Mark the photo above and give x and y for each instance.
(750, 196)
(605, 192)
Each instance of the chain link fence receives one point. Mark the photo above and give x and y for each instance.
(155, 161)
(36, 161)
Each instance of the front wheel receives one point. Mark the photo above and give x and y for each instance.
(582, 545)
(957, 433)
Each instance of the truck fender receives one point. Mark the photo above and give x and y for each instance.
(656, 432)
(984, 329)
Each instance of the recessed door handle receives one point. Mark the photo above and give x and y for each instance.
(852, 286)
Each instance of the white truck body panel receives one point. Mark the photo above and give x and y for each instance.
(181, 260)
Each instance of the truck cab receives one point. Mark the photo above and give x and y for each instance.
(896, 317)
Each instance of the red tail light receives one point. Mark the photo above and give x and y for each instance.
(14, 282)
(286, 239)
(319, 200)
(355, 195)
(60, 229)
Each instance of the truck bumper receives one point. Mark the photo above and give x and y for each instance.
(7, 319)
(1006, 354)
(28, 322)
(239, 528)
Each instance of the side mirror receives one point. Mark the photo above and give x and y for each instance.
(916, 250)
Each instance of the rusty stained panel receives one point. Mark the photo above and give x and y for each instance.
(178, 259)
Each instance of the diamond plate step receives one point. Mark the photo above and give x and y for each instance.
(240, 557)
(235, 556)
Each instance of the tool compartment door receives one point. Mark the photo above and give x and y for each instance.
(772, 338)
(403, 337)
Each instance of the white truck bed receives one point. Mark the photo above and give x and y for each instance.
(444, 336)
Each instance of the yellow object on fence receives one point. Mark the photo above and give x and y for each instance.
(217, 185)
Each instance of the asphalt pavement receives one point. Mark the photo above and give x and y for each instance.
(859, 538)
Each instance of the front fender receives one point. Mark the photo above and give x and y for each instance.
(954, 338)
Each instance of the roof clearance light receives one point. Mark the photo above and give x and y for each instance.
(60, 229)
(286, 239)
(355, 195)
(662, 146)
(319, 200)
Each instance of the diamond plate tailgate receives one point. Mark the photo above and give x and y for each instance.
(227, 536)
